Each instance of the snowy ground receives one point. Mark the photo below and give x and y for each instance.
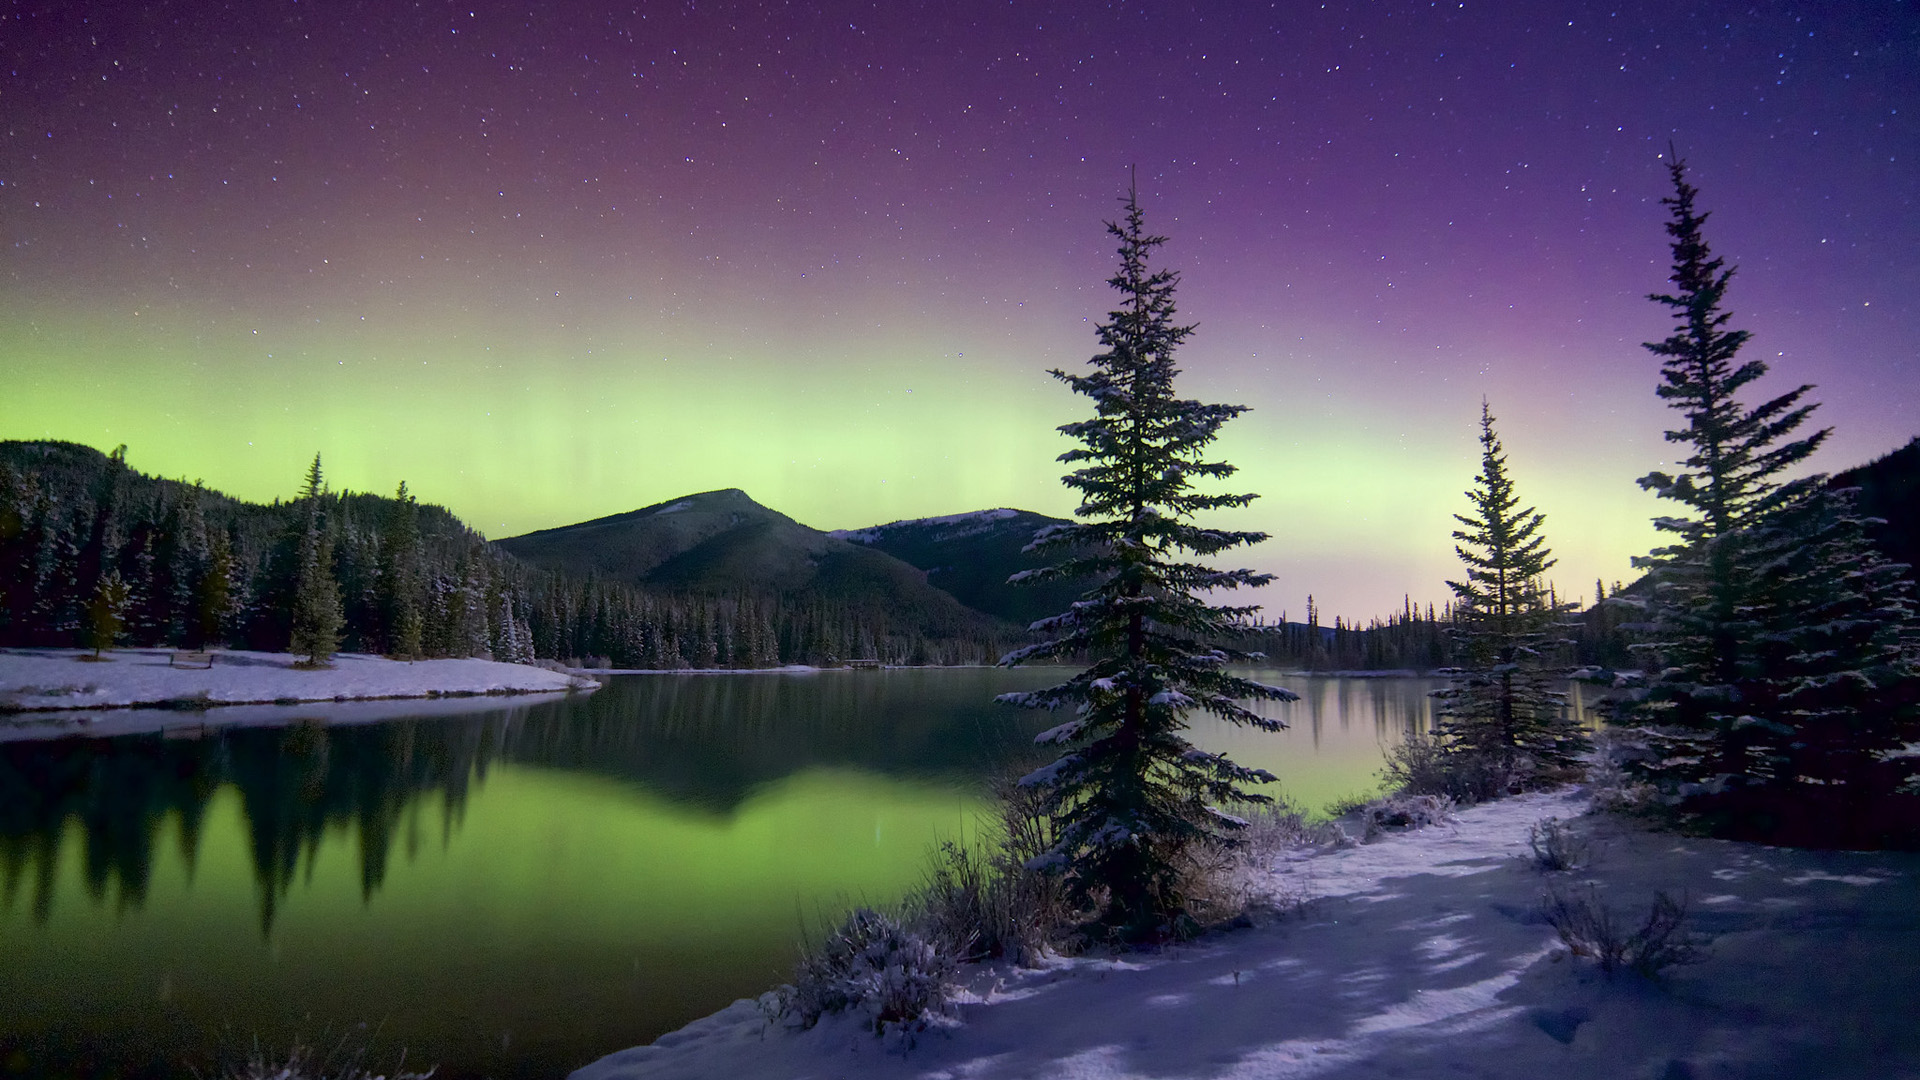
(54, 687)
(1422, 955)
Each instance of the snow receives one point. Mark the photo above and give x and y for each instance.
(975, 521)
(1422, 955)
(675, 508)
(39, 680)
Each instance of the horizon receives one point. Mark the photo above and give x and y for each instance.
(549, 267)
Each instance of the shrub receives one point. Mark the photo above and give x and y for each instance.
(1402, 811)
(1590, 929)
(898, 979)
(1555, 847)
(1424, 766)
(985, 902)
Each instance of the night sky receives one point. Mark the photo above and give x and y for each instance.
(550, 265)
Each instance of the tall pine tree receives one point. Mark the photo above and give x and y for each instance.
(1130, 795)
(1501, 715)
(1782, 644)
(317, 615)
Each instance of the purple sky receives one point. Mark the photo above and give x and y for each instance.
(554, 265)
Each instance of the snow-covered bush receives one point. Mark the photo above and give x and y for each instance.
(1556, 847)
(1400, 812)
(1589, 928)
(894, 977)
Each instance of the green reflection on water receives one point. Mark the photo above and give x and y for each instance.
(518, 890)
(565, 911)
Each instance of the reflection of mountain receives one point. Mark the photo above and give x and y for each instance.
(713, 741)
(705, 741)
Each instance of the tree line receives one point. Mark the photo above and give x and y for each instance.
(95, 553)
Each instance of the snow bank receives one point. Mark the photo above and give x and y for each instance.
(1422, 955)
(33, 680)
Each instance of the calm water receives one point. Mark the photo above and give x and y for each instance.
(515, 891)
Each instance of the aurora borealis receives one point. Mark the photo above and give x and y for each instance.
(550, 265)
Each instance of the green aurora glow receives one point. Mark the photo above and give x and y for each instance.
(517, 426)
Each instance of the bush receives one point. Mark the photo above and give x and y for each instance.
(985, 902)
(898, 979)
(1588, 928)
(1425, 766)
(1555, 847)
(1222, 882)
(1400, 812)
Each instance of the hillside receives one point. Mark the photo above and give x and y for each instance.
(971, 556)
(724, 543)
(1890, 489)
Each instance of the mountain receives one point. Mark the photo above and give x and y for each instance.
(970, 556)
(1890, 489)
(724, 543)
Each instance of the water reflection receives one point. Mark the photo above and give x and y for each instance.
(513, 891)
(705, 742)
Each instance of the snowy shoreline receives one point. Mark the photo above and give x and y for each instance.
(1424, 954)
(34, 682)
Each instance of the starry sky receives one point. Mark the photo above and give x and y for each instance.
(549, 262)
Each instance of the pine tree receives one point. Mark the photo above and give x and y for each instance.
(1840, 693)
(1702, 601)
(317, 617)
(1783, 644)
(1131, 795)
(1501, 715)
(107, 611)
(400, 586)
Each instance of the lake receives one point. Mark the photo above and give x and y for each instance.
(514, 891)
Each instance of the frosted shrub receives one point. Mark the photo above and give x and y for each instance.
(1401, 812)
(1425, 766)
(1555, 846)
(894, 977)
(1589, 928)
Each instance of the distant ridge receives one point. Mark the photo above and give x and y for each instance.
(724, 543)
(971, 555)
(1890, 490)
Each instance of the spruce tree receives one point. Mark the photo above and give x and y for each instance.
(1502, 725)
(1131, 795)
(317, 615)
(1782, 643)
(107, 611)
(400, 584)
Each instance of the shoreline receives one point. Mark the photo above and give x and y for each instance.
(36, 681)
(1423, 953)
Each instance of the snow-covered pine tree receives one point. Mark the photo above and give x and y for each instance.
(317, 615)
(107, 611)
(1131, 794)
(1782, 643)
(400, 577)
(1695, 726)
(1501, 716)
(1839, 693)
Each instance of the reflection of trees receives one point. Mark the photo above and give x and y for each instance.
(296, 783)
(705, 741)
